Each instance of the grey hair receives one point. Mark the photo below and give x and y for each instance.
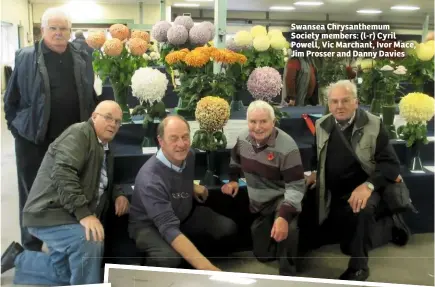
(261, 105)
(349, 86)
(55, 12)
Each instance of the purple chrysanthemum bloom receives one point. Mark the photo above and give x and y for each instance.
(160, 31)
(199, 35)
(264, 83)
(231, 45)
(177, 35)
(185, 21)
(210, 27)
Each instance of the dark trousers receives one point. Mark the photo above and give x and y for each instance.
(265, 248)
(357, 233)
(29, 157)
(206, 229)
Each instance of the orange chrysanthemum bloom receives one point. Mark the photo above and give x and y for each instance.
(241, 59)
(113, 47)
(196, 59)
(175, 57)
(206, 50)
(140, 34)
(137, 46)
(119, 31)
(96, 39)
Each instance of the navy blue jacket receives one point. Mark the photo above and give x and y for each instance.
(27, 97)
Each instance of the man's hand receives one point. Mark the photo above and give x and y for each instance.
(200, 193)
(210, 267)
(230, 188)
(92, 224)
(359, 197)
(291, 102)
(121, 205)
(311, 179)
(279, 229)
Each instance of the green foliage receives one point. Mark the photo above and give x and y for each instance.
(413, 133)
(419, 72)
(208, 141)
(118, 69)
(157, 110)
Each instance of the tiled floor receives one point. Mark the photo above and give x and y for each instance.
(413, 264)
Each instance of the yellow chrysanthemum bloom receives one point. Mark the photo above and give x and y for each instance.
(258, 31)
(212, 113)
(274, 32)
(424, 51)
(175, 57)
(261, 43)
(243, 38)
(196, 59)
(366, 64)
(278, 42)
(417, 108)
(113, 47)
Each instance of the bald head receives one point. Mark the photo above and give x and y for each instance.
(107, 119)
(171, 120)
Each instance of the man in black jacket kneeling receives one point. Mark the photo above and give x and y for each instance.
(67, 204)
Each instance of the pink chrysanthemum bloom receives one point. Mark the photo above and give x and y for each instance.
(264, 83)
(199, 35)
(160, 31)
(185, 21)
(177, 35)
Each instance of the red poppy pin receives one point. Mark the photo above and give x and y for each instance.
(270, 156)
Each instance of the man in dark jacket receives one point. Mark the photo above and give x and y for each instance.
(346, 202)
(67, 204)
(80, 40)
(50, 89)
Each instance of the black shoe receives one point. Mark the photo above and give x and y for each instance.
(8, 258)
(401, 232)
(358, 275)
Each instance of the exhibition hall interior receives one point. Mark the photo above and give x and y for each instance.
(275, 137)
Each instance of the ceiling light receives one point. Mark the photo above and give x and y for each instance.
(199, 0)
(405, 8)
(285, 8)
(308, 3)
(186, 5)
(369, 11)
(233, 279)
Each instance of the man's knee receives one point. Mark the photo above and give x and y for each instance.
(227, 228)
(164, 258)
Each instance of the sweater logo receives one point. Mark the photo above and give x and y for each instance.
(270, 156)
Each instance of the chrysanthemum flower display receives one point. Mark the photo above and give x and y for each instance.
(185, 21)
(178, 35)
(149, 85)
(160, 31)
(140, 34)
(243, 38)
(264, 83)
(258, 30)
(209, 26)
(96, 39)
(118, 58)
(119, 31)
(200, 35)
(261, 43)
(196, 59)
(212, 113)
(417, 109)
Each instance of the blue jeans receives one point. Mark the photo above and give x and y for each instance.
(72, 260)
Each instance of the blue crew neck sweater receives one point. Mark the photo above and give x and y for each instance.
(162, 197)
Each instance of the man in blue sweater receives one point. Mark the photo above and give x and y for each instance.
(164, 218)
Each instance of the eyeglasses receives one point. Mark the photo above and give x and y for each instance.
(61, 29)
(110, 119)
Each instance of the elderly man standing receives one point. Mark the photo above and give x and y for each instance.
(165, 221)
(50, 89)
(67, 204)
(347, 199)
(270, 160)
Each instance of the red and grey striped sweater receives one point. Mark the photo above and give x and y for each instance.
(274, 173)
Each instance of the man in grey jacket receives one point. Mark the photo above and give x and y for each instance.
(51, 88)
(67, 204)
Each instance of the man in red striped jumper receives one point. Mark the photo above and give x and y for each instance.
(271, 163)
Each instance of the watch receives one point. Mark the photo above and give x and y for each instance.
(370, 185)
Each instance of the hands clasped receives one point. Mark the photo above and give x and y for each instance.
(200, 193)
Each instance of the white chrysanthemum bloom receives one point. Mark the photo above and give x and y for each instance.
(285, 59)
(98, 85)
(400, 70)
(387, 68)
(149, 85)
(261, 43)
(154, 56)
(146, 57)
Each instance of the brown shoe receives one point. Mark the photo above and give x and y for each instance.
(8, 258)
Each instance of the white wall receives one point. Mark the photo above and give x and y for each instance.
(151, 13)
(15, 13)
